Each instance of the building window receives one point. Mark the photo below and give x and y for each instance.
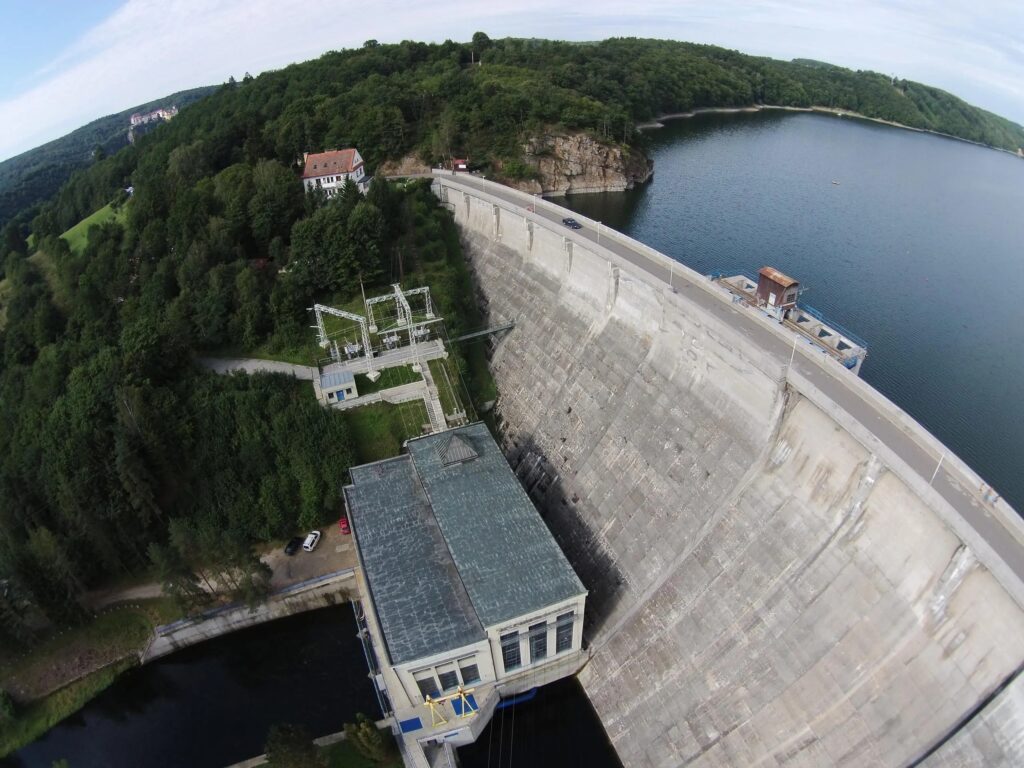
(449, 680)
(427, 686)
(470, 673)
(510, 651)
(538, 642)
(563, 632)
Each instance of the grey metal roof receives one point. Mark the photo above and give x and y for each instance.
(418, 597)
(450, 543)
(452, 449)
(335, 379)
(507, 558)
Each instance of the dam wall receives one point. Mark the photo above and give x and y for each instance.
(774, 577)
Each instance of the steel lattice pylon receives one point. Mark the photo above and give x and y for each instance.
(326, 342)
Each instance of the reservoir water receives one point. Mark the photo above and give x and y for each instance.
(919, 249)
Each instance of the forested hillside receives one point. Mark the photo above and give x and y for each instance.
(111, 441)
(390, 100)
(34, 176)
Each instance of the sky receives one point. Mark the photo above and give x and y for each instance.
(66, 62)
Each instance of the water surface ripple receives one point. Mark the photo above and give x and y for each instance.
(917, 249)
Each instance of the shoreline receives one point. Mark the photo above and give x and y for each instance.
(319, 592)
(658, 122)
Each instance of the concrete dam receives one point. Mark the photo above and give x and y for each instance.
(784, 568)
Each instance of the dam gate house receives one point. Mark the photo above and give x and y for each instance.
(467, 598)
(777, 296)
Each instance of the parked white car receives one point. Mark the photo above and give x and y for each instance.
(311, 541)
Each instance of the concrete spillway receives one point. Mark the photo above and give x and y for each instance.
(777, 577)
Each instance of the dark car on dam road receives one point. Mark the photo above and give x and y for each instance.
(571, 223)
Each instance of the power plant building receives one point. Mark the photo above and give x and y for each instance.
(468, 598)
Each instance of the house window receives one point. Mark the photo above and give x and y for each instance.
(510, 658)
(538, 642)
(563, 632)
(449, 680)
(470, 673)
(427, 685)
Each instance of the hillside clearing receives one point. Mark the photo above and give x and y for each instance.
(78, 236)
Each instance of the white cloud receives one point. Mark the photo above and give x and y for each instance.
(150, 48)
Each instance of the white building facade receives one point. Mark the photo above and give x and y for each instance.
(466, 597)
(329, 170)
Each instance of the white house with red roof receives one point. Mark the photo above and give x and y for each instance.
(329, 170)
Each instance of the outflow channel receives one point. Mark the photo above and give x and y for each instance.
(211, 705)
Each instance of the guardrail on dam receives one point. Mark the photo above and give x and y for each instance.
(784, 567)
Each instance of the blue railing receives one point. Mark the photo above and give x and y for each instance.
(836, 326)
(718, 274)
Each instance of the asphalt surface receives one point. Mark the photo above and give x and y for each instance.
(841, 386)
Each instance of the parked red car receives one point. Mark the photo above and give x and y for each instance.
(343, 525)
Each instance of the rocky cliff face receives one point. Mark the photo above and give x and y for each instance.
(409, 165)
(580, 163)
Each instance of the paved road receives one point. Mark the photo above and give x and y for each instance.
(256, 365)
(334, 553)
(841, 385)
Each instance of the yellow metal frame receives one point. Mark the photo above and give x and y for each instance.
(435, 705)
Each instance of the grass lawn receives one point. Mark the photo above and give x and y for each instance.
(78, 236)
(345, 755)
(379, 430)
(389, 377)
(92, 655)
(447, 383)
(480, 381)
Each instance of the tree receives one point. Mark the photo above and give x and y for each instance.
(367, 739)
(276, 202)
(177, 578)
(16, 613)
(365, 230)
(14, 239)
(7, 709)
(291, 746)
(481, 42)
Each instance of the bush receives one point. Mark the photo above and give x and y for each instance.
(7, 709)
(367, 739)
(291, 746)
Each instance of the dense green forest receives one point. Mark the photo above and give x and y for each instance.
(117, 454)
(392, 99)
(34, 176)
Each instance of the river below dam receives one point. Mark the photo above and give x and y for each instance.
(912, 241)
(211, 705)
